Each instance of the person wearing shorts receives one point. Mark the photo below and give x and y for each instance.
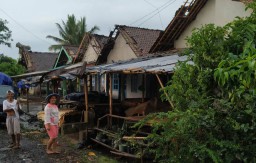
(51, 120)
(10, 107)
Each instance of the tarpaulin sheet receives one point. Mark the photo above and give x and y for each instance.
(5, 79)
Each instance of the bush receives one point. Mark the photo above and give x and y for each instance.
(214, 98)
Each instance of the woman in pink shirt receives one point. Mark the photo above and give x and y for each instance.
(51, 120)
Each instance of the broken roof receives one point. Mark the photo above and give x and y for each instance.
(139, 39)
(183, 17)
(100, 39)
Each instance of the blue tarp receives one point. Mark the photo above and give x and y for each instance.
(22, 84)
(5, 79)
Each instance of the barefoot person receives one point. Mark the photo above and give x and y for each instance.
(11, 106)
(51, 119)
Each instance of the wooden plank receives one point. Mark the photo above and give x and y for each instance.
(107, 132)
(125, 154)
(134, 137)
(105, 145)
(162, 86)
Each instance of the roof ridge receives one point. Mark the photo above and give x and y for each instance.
(42, 52)
(71, 45)
(138, 28)
(100, 35)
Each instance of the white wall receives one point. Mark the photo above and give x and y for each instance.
(219, 12)
(90, 54)
(227, 10)
(121, 51)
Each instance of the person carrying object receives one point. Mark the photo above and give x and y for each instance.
(11, 108)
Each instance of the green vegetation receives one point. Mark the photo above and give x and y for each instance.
(10, 66)
(5, 33)
(71, 32)
(214, 119)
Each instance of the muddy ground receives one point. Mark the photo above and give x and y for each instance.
(33, 144)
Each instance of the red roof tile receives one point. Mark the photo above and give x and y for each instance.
(140, 39)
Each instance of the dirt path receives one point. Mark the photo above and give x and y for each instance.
(33, 151)
(33, 146)
(29, 152)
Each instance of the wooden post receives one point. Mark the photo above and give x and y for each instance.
(86, 99)
(64, 87)
(78, 88)
(162, 86)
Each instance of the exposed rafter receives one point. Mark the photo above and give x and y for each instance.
(183, 17)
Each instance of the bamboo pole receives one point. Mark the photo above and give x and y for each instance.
(162, 86)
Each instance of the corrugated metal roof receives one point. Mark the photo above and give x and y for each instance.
(164, 64)
(31, 74)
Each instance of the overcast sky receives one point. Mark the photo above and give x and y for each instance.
(32, 20)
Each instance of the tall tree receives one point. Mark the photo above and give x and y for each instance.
(71, 32)
(5, 33)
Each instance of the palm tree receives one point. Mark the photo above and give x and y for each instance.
(71, 32)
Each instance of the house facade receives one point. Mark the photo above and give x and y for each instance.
(218, 12)
(35, 62)
(194, 14)
(130, 43)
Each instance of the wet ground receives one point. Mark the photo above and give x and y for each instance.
(33, 144)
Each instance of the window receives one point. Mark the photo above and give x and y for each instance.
(115, 82)
(134, 83)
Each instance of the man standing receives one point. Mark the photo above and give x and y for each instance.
(10, 106)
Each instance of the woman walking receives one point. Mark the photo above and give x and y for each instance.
(51, 120)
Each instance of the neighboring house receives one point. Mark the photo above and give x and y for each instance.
(36, 61)
(88, 51)
(129, 43)
(195, 14)
(66, 55)
(91, 48)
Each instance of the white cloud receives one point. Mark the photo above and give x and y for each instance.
(39, 17)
